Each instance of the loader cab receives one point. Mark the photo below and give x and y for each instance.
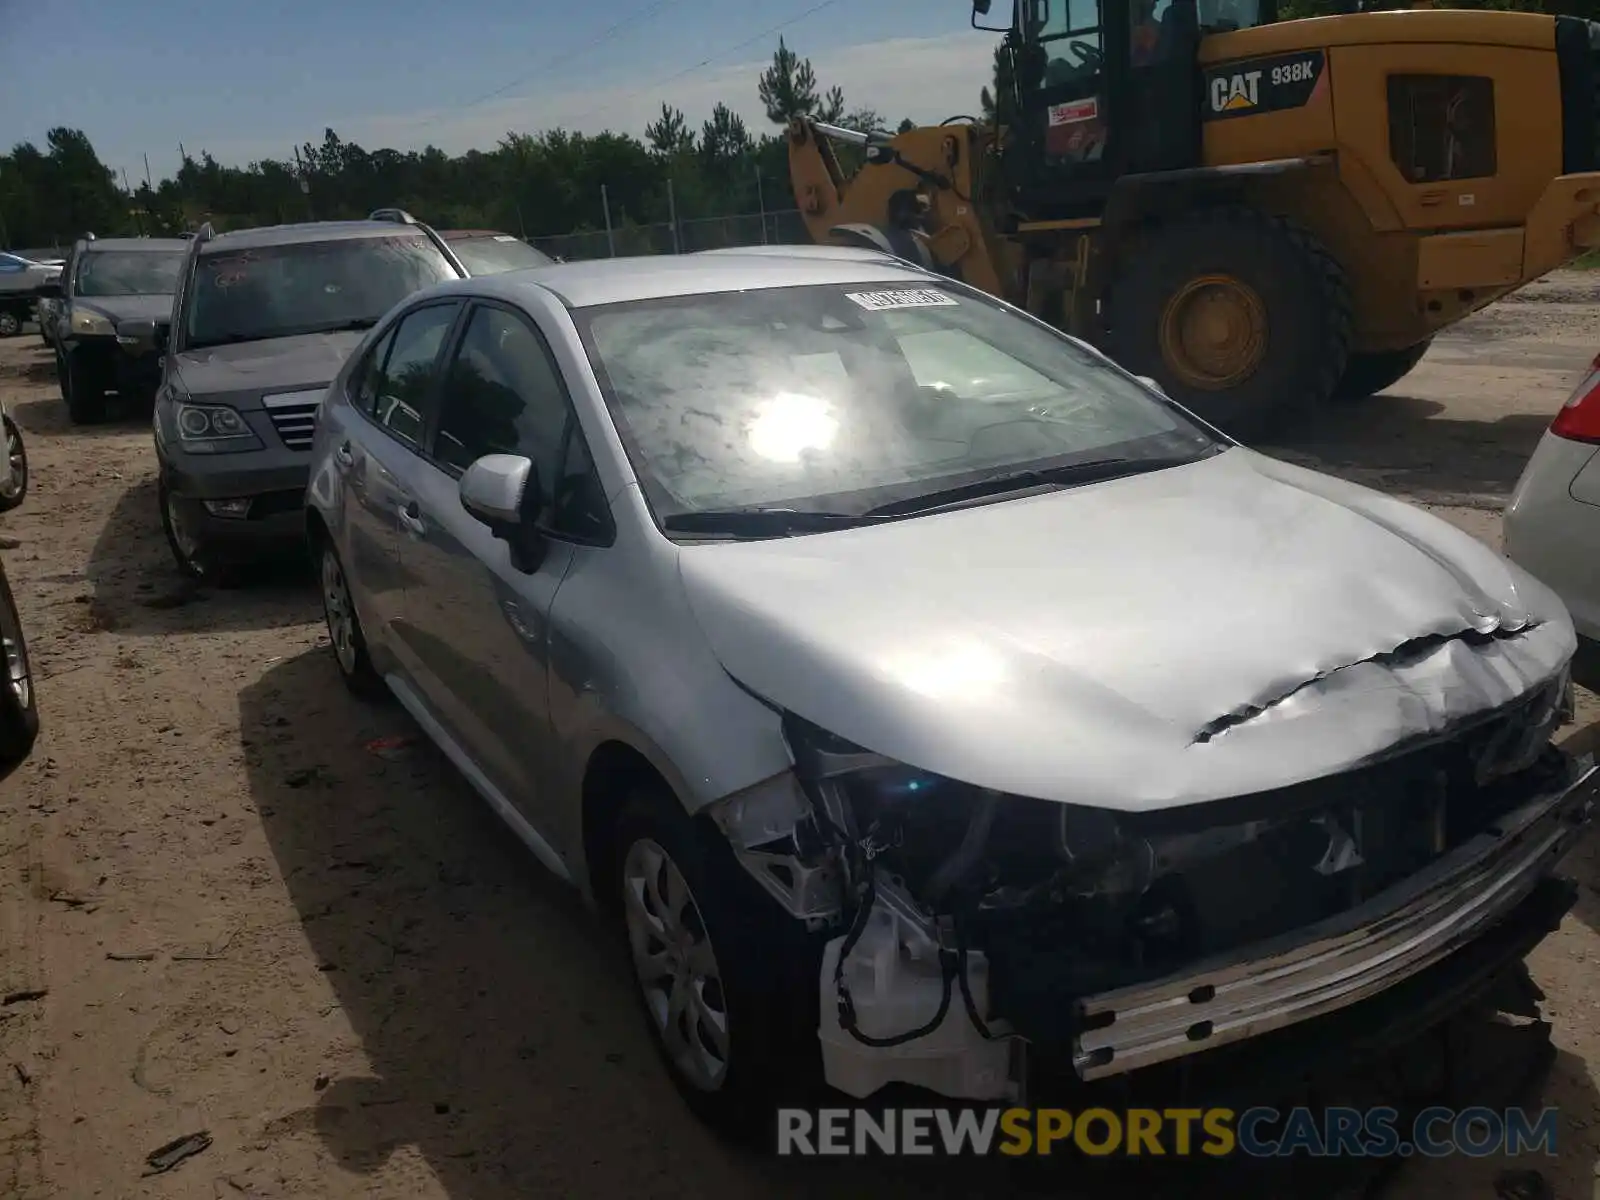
(1106, 88)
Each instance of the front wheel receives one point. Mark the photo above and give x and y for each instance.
(14, 472)
(1241, 316)
(82, 387)
(19, 714)
(727, 983)
(195, 557)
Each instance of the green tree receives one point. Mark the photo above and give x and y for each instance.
(669, 134)
(788, 88)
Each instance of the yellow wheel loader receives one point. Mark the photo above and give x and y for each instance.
(1256, 213)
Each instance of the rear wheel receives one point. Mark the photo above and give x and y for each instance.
(10, 322)
(19, 715)
(83, 387)
(344, 627)
(1368, 374)
(1239, 315)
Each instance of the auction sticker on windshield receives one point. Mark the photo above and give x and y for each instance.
(900, 298)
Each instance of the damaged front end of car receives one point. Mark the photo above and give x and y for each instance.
(972, 935)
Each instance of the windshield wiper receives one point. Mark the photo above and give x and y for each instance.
(269, 335)
(227, 339)
(766, 522)
(1091, 471)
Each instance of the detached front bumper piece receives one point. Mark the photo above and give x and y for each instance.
(1344, 960)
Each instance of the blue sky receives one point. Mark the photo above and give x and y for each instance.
(246, 81)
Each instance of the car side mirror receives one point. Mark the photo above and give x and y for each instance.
(141, 331)
(50, 289)
(502, 491)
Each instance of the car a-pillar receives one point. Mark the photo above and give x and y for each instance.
(1241, 315)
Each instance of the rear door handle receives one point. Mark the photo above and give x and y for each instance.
(343, 457)
(411, 518)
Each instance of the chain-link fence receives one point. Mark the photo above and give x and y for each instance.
(700, 233)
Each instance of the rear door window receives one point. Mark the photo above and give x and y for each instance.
(398, 394)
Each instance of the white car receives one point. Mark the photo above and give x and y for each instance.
(1552, 525)
(20, 279)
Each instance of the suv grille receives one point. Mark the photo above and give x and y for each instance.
(294, 416)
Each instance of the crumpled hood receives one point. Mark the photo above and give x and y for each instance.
(128, 308)
(248, 370)
(1217, 629)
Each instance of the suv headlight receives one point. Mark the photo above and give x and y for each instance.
(213, 429)
(92, 324)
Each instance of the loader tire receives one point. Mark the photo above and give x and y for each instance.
(1367, 374)
(1242, 317)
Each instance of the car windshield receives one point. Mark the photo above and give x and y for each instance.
(308, 287)
(129, 272)
(492, 255)
(851, 397)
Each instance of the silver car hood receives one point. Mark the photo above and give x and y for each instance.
(1222, 628)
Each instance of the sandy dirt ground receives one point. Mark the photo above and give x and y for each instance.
(233, 914)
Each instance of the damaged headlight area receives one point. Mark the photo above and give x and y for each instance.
(963, 925)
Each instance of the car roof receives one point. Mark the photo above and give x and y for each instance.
(655, 277)
(305, 231)
(465, 235)
(154, 245)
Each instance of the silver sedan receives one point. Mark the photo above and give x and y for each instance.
(927, 699)
(1552, 524)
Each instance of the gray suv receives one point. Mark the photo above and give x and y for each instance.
(108, 281)
(263, 320)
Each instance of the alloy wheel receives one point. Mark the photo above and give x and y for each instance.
(339, 611)
(675, 965)
(10, 324)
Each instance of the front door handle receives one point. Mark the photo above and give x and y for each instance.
(411, 518)
(343, 457)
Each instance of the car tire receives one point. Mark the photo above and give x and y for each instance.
(10, 323)
(17, 453)
(82, 387)
(348, 642)
(19, 712)
(196, 559)
(728, 983)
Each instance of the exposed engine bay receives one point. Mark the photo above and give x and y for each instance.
(968, 928)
